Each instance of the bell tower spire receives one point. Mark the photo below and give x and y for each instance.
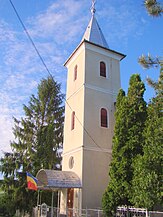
(93, 31)
(93, 10)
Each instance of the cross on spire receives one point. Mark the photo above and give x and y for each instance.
(93, 10)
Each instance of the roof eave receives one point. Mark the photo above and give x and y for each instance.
(73, 53)
(123, 55)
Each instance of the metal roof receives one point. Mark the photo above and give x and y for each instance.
(94, 33)
(54, 179)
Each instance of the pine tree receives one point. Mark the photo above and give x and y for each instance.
(130, 117)
(38, 137)
(148, 170)
(153, 7)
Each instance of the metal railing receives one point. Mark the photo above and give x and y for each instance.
(121, 212)
(125, 211)
(69, 212)
(155, 214)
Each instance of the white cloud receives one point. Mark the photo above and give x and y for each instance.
(62, 22)
(6, 34)
(6, 135)
(53, 31)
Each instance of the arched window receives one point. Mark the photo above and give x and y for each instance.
(104, 118)
(73, 120)
(75, 72)
(102, 69)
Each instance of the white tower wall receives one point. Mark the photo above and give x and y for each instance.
(89, 144)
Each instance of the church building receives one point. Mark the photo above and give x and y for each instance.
(93, 82)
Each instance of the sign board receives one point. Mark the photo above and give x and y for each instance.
(44, 210)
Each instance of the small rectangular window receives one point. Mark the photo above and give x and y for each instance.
(75, 72)
(102, 69)
(73, 120)
(104, 118)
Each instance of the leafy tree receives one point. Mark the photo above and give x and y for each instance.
(38, 137)
(130, 118)
(148, 172)
(6, 206)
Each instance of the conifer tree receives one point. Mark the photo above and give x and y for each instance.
(38, 137)
(154, 7)
(130, 117)
(112, 196)
(148, 170)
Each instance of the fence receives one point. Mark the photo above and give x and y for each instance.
(121, 212)
(155, 214)
(131, 212)
(136, 212)
(69, 213)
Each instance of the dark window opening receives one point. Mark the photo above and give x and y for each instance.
(104, 118)
(73, 121)
(75, 72)
(102, 69)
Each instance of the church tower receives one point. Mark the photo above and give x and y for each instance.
(92, 85)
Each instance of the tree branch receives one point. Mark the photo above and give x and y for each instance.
(153, 7)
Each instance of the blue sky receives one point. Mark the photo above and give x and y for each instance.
(56, 27)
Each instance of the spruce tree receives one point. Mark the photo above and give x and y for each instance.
(130, 118)
(38, 137)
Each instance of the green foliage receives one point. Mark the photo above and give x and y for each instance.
(153, 7)
(147, 61)
(148, 169)
(111, 197)
(6, 206)
(38, 137)
(148, 172)
(136, 168)
(130, 118)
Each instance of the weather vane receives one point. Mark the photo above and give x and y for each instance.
(93, 10)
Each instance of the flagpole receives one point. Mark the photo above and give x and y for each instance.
(52, 203)
(58, 204)
(38, 197)
(38, 208)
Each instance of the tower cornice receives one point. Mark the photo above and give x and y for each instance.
(96, 45)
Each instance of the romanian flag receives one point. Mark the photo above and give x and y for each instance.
(31, 182)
